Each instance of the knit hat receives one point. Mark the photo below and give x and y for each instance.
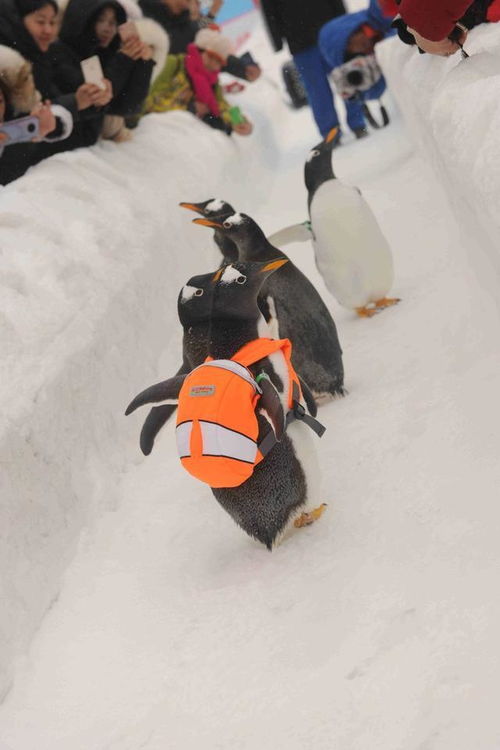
(212, 41)
(25, 7)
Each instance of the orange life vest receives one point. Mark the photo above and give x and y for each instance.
(217, 428)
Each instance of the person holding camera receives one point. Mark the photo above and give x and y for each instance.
(22, 109)
(91, 27)
(347, 46)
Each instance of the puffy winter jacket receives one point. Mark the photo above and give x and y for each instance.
(334, 36)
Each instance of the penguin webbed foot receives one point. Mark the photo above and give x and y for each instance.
(368, 311)
(306, 519)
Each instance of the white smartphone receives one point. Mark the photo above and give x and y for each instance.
(93, 72)
(128, 30)
(21, 130)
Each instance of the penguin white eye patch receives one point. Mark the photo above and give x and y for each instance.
(188, 292)
(232, 275)
(214, 206)
(312, 154)
(233, 220)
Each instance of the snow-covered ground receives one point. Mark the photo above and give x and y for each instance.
(374, 629)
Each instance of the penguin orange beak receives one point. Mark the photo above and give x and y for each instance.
(274, 265)
(208, 223)
(192, 207)
(217, 275)
(331, 135)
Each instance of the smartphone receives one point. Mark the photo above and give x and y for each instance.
(21, 130)
(93, 72)
(128, 30)
(236, 115)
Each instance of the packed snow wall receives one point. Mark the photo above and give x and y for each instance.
(94, 251)
(452, 111)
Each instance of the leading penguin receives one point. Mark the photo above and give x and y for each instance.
(283, 491)
(296, 308)
(352, 254)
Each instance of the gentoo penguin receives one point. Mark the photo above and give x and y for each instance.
(194, 307)
(283, 491)
(218, 210)
(351, 252)
(296, 307)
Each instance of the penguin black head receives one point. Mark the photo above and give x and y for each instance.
(195, 301)
(238, 286)
(318, 167)
(215, 208)
(244, 231)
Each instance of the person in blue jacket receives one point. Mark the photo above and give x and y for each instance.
(347, 38)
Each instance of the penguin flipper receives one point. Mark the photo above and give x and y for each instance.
(308, 398)
(294, 233)
(167, 389)
(155, 420)
(271, 403)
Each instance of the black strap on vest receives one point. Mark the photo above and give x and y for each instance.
(383, 113)
(296, 413)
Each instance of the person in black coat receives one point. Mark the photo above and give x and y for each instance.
(298, 23)
(30, 27)
(90, 27)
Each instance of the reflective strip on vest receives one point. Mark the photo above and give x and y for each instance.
(218, 441)
(234, 367)
(183, 436)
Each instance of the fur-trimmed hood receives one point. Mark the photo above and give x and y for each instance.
(17, 78)
(152, 33)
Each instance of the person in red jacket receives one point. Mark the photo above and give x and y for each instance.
(432, 21)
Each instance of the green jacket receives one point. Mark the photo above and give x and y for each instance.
(172, 90)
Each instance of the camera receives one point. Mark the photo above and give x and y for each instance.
(356, 76)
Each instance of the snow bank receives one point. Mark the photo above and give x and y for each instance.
(94, 251)
(452, 111)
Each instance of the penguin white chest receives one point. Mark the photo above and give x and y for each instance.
(352, 254)
(301, 437)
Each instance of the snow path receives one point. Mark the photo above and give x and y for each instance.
(377, 627)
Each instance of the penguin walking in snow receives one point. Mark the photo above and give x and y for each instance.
(194, 307)
(352, 254)
(289, 301)
(217, 210)
(282, 492)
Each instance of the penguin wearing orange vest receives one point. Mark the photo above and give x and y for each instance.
(295, 307)
(283, 491)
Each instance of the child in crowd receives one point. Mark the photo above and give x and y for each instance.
(18, 97)
(90, 27)
(190, 82)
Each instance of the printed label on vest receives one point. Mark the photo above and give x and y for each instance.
(202, 390)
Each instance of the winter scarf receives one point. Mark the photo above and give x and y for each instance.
(202, 80)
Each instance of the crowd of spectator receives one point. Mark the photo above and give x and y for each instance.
(152, 56)
(74, 71)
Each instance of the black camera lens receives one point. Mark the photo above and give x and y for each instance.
(355, 77)
(31, 127)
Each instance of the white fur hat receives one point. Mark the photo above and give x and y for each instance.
(17, 77)
(211, 40)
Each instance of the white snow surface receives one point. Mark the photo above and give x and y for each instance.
(375, 628)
